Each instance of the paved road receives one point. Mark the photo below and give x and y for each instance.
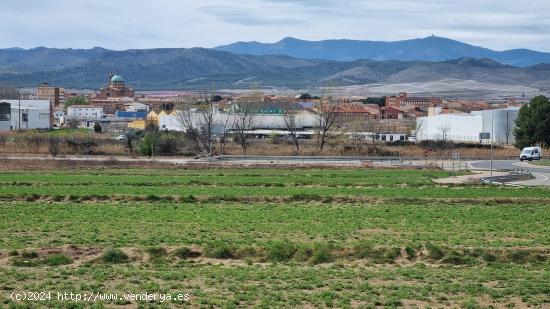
(541, 173)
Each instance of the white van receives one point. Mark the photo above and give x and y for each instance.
(530, 153)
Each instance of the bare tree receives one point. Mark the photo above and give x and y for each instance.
(418, 128)
(198, 123)
(291, 118)
(328, 114)
(226, 121)
(444, 131)
(205, 114)
(508, 127)
(186, 117)
(245, 111)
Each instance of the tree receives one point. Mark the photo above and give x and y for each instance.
(444, 132)
(198, 123)
(97, 128)
(305, 96)
(131, 136)
(76, 101)
(290, 116)
(149, 144)
(533, 123)
(226, 122)
(328, 113)
(53, 145)
(245, 112)
(217, 98)
(508, 127)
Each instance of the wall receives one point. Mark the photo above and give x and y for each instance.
(460, 128)
(37, 113)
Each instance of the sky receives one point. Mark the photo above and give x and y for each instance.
(126, 24)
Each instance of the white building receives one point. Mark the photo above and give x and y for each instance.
(25, 115)
(503, 125)
(467, 127)
(85, 111)
(304, 120)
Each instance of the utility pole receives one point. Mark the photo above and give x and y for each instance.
(492, 139)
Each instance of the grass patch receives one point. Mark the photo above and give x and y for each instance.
(115, 256)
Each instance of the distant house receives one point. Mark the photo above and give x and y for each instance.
(153, 117)
(405, 100)
(85, 111)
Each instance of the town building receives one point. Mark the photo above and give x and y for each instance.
(85, 111)
(115, 89)
(25, 115)
(467, 127)
(405, 100)
(55, 95)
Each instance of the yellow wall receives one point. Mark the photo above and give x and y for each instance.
(138, 124)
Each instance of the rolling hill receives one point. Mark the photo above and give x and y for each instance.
(432, 48)
(197, 68)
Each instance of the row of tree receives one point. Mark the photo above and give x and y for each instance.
(199, 121)
(533, 124)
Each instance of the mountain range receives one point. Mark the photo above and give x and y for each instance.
(198, 68)
(431, 48)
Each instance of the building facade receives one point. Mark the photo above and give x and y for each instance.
(88, 111)
(25, 114)
(55, 95)
(115, 89)
(404, 100)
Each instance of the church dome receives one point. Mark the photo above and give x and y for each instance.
(117, 79)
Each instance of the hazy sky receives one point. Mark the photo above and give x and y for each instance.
(124, 24)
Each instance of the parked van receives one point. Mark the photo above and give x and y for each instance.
(530, 153)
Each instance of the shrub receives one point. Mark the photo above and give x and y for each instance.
(97, 128)
(188, 199)
(488, 257)
(13, 253)
(306, 197)
(303, 254)
(22, 262)
(280, 251)
(364, 250)
(53, 145)
(434, 251)
(245, 252)
(58, 259)
(149, 144)
(185, 252)
(114, 256)
(156, 252)
(29, 254)
(391, 254)
(152, 198)
(411, 252)
(218, 250)
(321, 254)
(456, 258)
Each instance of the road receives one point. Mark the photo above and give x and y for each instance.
(541, 173)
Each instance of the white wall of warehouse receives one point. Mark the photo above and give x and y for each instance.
(467, 127)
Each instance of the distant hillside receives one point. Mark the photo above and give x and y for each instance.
(427, 49)
(197, 68)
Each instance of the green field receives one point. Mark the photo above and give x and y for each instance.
(541, 162)
(273, 238)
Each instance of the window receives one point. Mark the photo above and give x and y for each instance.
(25, 117)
